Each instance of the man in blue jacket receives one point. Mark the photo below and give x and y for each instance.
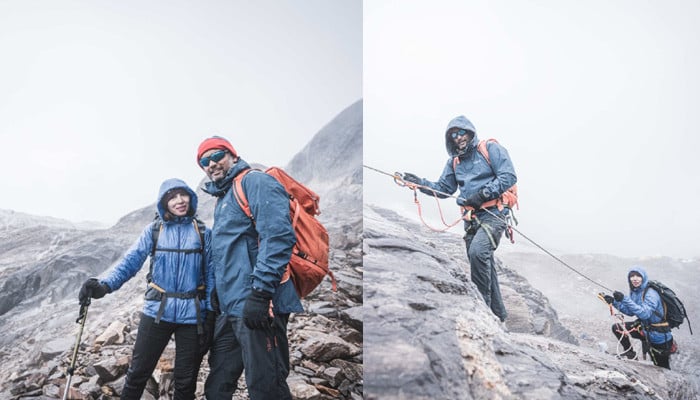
(481, 183)
(645, 303)
(250, 257)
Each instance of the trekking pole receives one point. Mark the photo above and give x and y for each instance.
(82, 316)
(398, 178)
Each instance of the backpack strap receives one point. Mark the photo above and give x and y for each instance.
(239, 194)
(664, 321)
(200, 292)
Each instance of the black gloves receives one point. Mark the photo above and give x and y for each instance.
(608, 299)
(92, 288)
(256, 310)
(207, 336)
(409, 177)
(618, 295)
(476, 199)
(214, 301)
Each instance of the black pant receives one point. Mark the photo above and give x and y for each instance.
(150, 343)
(660, 353)
(262, 354)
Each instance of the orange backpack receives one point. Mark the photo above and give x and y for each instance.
(309, 262)
(510, 197)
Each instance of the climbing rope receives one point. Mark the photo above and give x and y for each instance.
(620, 327)
(398, 179)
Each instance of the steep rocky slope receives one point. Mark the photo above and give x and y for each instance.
(429, 334)
(43, 265)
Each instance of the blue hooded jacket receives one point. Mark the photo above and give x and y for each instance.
(175, 272)
(249, 255)
(473, 172)
(649, 310)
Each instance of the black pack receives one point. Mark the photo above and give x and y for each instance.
(674, 311)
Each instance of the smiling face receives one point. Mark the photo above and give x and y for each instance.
(216, 163)
(461, 137)
(178, 202)
(635, 280)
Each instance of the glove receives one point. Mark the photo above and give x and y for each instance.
(256, 310)
(474, 201)
(207, 336)
(92, 288)
(477, 199)
(214, 301)
(618, 295)
(608, 299)
(409, 177)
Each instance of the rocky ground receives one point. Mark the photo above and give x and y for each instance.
(45, 261)
(429, 334)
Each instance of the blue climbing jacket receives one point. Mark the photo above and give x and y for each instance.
(173, 271)
(249, 255)
(649, 310)
(472, 172)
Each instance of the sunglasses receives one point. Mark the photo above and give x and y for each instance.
(459, 133)
(215, 156)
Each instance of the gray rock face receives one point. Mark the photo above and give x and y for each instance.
(430, 335)
(44, 262)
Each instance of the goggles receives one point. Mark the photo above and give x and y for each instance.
(215, 156)
(459, 133)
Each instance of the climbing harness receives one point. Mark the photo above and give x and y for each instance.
(82, 316)
(510, 228)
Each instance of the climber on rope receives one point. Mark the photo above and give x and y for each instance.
(484, 175)
(646, 304)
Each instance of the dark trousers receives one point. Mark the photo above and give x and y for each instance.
(150, 343)
(660, 353)
(262, 354)
(480, 249)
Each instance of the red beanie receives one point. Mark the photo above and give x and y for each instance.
(215, 142)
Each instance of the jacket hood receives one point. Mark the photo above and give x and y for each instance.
(463, 123)
(171, 184)
(640, 271)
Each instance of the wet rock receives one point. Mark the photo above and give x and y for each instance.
(110, 369)
(114, 334)
(324, 347)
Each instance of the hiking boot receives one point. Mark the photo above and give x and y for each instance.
(629, 354)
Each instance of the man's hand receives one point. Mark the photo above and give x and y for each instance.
(207, 336)
(409, 177)
(618, 295)
(256, 310)
(92, 288)
(476, 200)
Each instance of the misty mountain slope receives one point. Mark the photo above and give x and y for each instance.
(429, 334)
(43, 265)
(574, 296)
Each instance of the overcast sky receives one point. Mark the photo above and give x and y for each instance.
(597, 103)
(100, 101)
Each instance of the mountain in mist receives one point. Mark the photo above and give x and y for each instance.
(429, 334)
(44, 261)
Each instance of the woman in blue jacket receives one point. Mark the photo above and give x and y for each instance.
(645, 303)
(176, 299)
